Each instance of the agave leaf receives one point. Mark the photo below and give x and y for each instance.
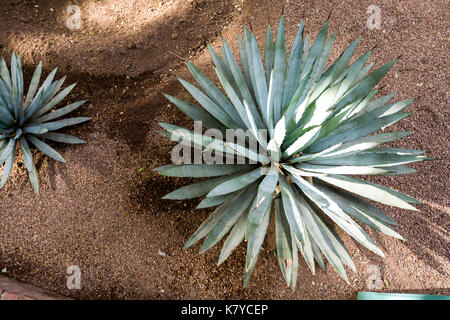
(398, 151)
(208, 225)
(364, 72)
(222, 68)
(196, 113)
(33, 85)
(335, 212)
(269, 53)
(11, 145)
(317, 254)
(235, 237)
(294, 272)
(290, 195)
(302, 142)
(17, 86)
(5, 92)
(52, 91)
(57, 99)
(6, 134)
(14, 84)
(280, 132)
(6, 118)
(201, 170)
(363, 205)
(60, 112)
(315, 51)
(301, 173)
(357, 131)
(235, 100)
(196, 189)
(371, 191)
(35, 129)
(297, 104)
(18, 134)
(335, 130)
(374, 104)
(397, 170)
(28, 160)
(286, 247)
(46, 149)
(305, 50)
(263, 200)
(198, 140)
(227, 64)
(325, 240)
(363, 144)
(360, 170)
(19, 80)
(41, 97)
(3, 103)
(215, 201)
(243, 55)
(269, 109)
(59, 137)
(8, 166)
(250, 78)
(292, 211)
(254, 245)
(363, 87)
(337, 242)
(5, 74)
(353, 72)
(344, 59)
(322, 60)
(260, 80)
(209, 105)
(334, 123)
(236, 183)
(293, 67)
(306, 249)
(47, 82)
(59, 124)
(278, 72)
(378, 159)
(360, 105)
(240, 204)
(347, 201)
(256, 132)
(248, 153)
(214, 93)
(242, 86)
(274, 146)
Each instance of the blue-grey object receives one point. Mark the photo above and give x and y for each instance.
(398, 296)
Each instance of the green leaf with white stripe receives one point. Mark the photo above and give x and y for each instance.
(201, 170)
(370, 191)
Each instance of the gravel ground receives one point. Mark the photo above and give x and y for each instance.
(102, 211)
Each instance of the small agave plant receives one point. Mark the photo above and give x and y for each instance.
(31, 118)
(320, 123)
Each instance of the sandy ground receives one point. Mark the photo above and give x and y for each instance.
(102, 211)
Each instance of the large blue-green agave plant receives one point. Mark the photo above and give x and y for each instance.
(31, 118)
(321, 123)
